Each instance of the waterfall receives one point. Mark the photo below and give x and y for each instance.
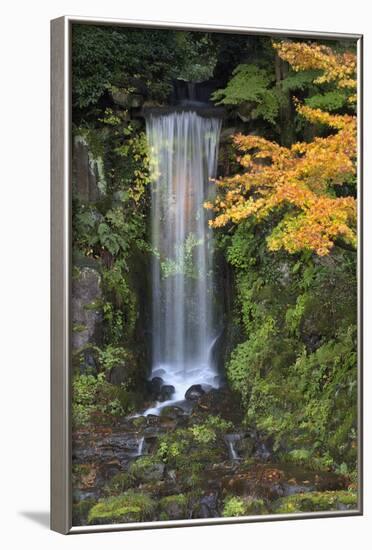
(183, 151)
(230, 440)
(141, 442)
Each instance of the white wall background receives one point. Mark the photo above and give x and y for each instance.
(24, 234)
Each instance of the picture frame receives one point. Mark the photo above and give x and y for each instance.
(61, 273)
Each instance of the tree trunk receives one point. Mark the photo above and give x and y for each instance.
(286, 110)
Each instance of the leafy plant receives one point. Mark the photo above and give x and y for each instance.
(251, 84)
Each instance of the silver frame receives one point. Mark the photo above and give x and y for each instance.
(61, 492)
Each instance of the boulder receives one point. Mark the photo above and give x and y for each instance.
(245, 446)
(122, 373)
(166, 392)
(125, 99)
(172, 411)
(207, 506)
(194, 392)
(221, 402)
(173, 507)
(86, 310)
(118, 374)
(154, 387)
(146, 469)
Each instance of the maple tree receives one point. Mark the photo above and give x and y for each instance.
(339, 68)
(300, 181)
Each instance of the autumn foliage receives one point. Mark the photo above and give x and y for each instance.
(339, 68)
(300, 182)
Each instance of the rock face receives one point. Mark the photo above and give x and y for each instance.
(123, 98)
(120, 374)
(111, 462)
(85, 308)
(207, 506)
(221, 401)
(173, 507)
(87, 177)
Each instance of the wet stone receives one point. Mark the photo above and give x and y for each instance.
(194, 392)
(154, 386)
(166, 393)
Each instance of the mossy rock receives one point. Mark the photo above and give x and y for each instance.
(84, 475)
(238, 507)
(316, 502)
(140, 422)
(119, 483)
(128, 507)
(173, 507)
(147, 469)
(80, 511)
(172, 411)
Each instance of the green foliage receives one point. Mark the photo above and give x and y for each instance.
(130, 506)
(309, 459)
(237, 507)
(250, 358)
(234, 507)
(171, 449)
(187, 449)
(84, 392)
(328, 101)
(294, 314)
(184, 262)
(316, 502)
(147, 469)
(251, 84)
(120, 307)
(119, 483)
(301, 80)
(80, 511)
(111, 356)
(174, 507)
(132, 175)
(295, 365)
(103, 56)
(113, 229)
(198, 56)
(93, 396)
(203, 434)
(210, 429)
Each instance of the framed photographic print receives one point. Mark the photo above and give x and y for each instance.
(206, 274)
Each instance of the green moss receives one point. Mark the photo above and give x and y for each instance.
(93, 395)
(239, 506)
(173, 507)
(307, 458)
(139, 421)
(95, 305)
(80, 511)
(147, 469)
(316, 502)
(78, 327)
(119, 483)
(128, 507)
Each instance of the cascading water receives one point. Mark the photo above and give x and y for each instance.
(183, 149)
